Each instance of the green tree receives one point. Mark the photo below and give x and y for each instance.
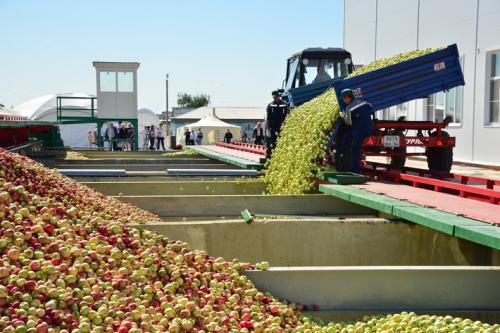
(192, 101)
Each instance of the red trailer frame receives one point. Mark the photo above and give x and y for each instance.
(391, 141)
(396, 128)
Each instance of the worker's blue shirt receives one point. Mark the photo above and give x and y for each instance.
(361, 116)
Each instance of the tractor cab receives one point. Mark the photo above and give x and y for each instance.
(311, 71)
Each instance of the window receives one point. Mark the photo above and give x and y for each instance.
(394, 112)
(292, 74)
(319, 70)
(125, 81)
(107, 81)
(494, 106)
(446, 104)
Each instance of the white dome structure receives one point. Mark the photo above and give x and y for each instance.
(44, 108)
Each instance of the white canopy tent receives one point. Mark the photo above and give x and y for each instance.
(213, 130)
(44, 108)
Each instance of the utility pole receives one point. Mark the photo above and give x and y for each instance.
(166, 112)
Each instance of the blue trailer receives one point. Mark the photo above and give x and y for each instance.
(412, 79)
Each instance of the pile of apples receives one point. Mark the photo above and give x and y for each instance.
(69, 263)
(303, 142)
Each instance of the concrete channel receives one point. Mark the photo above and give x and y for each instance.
(340, 292)
(232, 205)
(181, 187)
(327, 241)
(347, 259)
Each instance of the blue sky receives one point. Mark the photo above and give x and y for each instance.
(235, 51)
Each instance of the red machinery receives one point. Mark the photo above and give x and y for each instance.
(391, 140)
(14, 133)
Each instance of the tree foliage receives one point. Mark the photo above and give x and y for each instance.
(192, 101)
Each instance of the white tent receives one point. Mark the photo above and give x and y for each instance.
(75, 135)
(213, 130)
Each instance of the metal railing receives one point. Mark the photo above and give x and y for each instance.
(75, 119)
(26, 149)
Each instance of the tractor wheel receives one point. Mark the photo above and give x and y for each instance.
(397, 162)
(440, 159)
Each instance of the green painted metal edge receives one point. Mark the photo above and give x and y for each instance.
(458, 226)
(336, 191)
(427, 217)
(485, 234)
(377, 201)
(245, 164)
(345, 178)
(365, 198)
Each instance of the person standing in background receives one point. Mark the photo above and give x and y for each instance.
(111, 134)
(130, 136)
(258, 134)
(145, 138)
(91, 139)
(187, 135)
(152, 137)
(122, 135)
(192, 137)
(244, 137)
(199, 137)
(160, 137)
(96, 138)
(228, 136)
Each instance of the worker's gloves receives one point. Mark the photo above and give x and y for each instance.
(342, 114)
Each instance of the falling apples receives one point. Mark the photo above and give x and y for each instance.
(303, 140)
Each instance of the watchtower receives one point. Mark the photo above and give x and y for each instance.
(117, 94)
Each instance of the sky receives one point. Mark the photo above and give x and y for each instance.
(235, 51)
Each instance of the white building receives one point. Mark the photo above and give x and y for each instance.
(375, 29)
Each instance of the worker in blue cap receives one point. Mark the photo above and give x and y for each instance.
(358, 117)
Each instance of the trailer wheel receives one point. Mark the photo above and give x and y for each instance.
(397, 162)
(440, 159)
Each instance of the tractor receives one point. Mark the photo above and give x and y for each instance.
(383, 88)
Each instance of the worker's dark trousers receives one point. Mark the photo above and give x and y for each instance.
(271, 142)
(353, 140)
(357, 141)
(162, 141)
(343, 143)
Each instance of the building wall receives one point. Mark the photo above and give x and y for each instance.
(375, 29)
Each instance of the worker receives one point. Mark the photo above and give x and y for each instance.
(228, 136)
(322, 75)
(276, 113)
(358, 118)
